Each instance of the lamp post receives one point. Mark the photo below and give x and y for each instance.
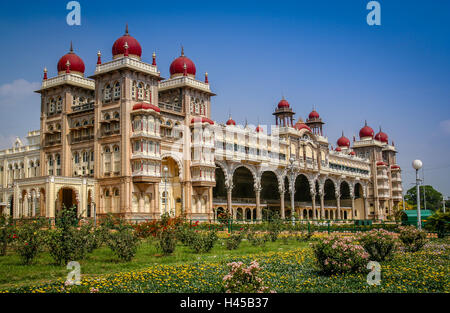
(166, 170)
(95, 214)
(417, 165)
(291, 169)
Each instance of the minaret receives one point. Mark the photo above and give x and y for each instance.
(315, 122)
(284, 116)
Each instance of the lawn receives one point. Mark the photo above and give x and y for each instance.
(286, 268)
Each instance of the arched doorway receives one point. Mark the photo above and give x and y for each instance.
(220, 190)
(345, 201)
(170, 188)
(303, 194)
(67, 199)
(330, 197)
(243, 187)
(270, 194)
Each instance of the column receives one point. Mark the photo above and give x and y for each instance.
(258, 204)
(313, 200)
(229, 199)
(283, 213)
(33, 205)
(353, 206)
(338, 206)
(322, 205)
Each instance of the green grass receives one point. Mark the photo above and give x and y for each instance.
(102, 261)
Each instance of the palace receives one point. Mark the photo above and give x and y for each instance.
(129, 142)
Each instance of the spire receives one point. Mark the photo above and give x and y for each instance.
(182, 51)
(126, 30)
(71, 47)
(45, 73)
(365, 122)
(99, 58)
(154, 59)
(342, 133)
(206, 78)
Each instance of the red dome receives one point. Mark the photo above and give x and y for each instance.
(366, 131)
(313, 114)
(338, 149)
(134, 48)
(343, 141)
(383, 137)
(177, 66)
(76, 63)
(395, 167)
(283, 104)
(145, 106)
(381, 163)
(353, 153)
(231, 122)
(201, 120)
(300, 126)
(259, 129)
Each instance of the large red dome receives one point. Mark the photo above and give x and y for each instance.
(366, 131)
(134, 48)
(383, 137)
(76, 63)
(313, 114)
(343, 141)
(300, 125)
(177, 66)
(283, 104)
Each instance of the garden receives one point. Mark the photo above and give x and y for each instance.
(176, 255)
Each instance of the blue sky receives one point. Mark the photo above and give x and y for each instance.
(320, 53)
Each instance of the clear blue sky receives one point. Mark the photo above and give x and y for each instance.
(320, 53)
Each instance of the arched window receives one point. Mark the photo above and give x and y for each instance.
(85, 157)
(141, 91)
(59, 105)
(52, 107)
(107, 117)
(58, 159)
(147, 93)
(116, 115)
(107, 93)
(76, 158)
(116, 91)
(133, 91)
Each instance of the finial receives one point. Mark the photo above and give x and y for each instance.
(99, 57)
(184, 69)
(126, 30)
(71, 47)
(206, 78)
(365, 122)
(182, 51)
(154, 59)
(126, 49)
(68, 67)
(45, 73)
(342, 133)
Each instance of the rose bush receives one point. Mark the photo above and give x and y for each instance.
(243, 279)
(412, 238)
(379, 243)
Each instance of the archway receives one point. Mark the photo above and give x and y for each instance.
(220, 190)
(345, 201)
(67, 200)
(270, 194)
(303, 195)
(330, 197)
(170, 188)
(359, 201)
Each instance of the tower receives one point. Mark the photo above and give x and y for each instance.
(284, 116)
(315, 123)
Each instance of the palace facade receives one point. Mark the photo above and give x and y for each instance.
(129, 142)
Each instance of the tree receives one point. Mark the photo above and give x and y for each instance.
(432, 197)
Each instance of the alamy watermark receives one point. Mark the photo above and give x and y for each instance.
(74, 16)
(374, 277)
(74, 277)
(374, 16)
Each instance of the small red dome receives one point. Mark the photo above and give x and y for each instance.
(145, 106)
(343, 141)
(381, 163)
(338, 149)
(383, 137)
(201, 120)
(313, 114)
(231, 122)
(395, 167)
(259, 129)
(353, 153)
(134, 48)
(366, 131)
(283, 104)
(300, 126)
(76, 63)
(177, 66)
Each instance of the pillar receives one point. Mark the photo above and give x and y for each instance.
(258, 203)
(283, 212)
(353, 207)
(322, 205)
(338, 205)
(229, 199)
(366, 208)
(313, 198)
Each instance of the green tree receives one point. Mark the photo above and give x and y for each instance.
(432, 197)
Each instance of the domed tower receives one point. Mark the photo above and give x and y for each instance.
(66, 99)
(284, 116)
(315, 123)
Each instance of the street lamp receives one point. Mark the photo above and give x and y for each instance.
(166, 170)
(417, 165)
(291, 169)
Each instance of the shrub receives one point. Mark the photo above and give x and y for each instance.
(303, 236)
(380, 244)
(203, 241)
(6, 233)
(224, 217)
(274, 227)
(413, 239)
(167, 240)
(124, 243)
(243, 279)
(28, 240)
(257, 239)
(340, 255)
(439, 222)
(235, 239)
(147, 229)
